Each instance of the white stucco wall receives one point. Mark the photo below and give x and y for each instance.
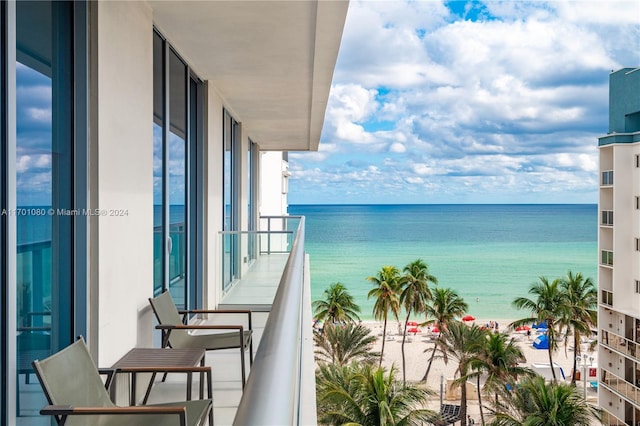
(272, 200)
(125, 177)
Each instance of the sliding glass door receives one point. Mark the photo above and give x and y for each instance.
(176, 190)
(47, 185)
(230, 137)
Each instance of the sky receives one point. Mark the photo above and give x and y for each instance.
(436, 102)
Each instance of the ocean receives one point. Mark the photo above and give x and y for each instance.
(490, 254)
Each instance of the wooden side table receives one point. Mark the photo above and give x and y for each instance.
(155, 360)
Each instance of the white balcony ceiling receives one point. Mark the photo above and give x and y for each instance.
(271, 61)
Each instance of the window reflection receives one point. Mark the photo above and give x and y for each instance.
(44, 122)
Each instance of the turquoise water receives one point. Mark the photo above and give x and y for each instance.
(489, 253)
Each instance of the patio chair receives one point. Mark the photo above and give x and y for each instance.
(78, 396)
(175, 330)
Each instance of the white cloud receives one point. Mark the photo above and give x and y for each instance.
(398, 148)
(509, 105)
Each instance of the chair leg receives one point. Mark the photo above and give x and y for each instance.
(242, 365)
(251, 352)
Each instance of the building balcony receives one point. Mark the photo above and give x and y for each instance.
(620, 386)
(606, 178)
(620, 344)
(275, 284)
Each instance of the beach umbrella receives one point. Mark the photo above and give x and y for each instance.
(523, 328)
(468, 318)
(541, 342)
(414, 330)
(435, 330)
(412, 324)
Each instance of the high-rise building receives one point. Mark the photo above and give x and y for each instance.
(619, 253)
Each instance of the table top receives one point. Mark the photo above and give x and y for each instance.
(147, 358)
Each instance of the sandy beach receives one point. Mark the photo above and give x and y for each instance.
(417, 360)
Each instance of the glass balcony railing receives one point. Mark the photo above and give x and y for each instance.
(620, 386)
(34, 285)
(620, 343)
(241, 248)
(610, 420)
(177, 259)
(279, 383)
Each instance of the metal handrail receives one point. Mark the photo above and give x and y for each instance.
(272, 393)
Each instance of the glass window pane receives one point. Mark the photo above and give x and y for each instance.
(158, 164)
(44, 159)
(177, 179)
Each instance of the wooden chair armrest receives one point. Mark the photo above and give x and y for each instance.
(217, 311)
(249, 313)
(56, 410)
(193, 369)
(62, 411)
(199, 327)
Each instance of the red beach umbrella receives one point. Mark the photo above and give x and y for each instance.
(412, 324)
(414, 330)
(468, 318)
(523, 328)
(435, 330)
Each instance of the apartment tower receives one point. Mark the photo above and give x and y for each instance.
(619, 253)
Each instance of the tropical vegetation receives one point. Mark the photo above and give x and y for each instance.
(343, 344)
(580, 313)
(536, 402)
(415, 297)
(368, 396)
(352, 389)
(337, 306)
(546, 305)
(446, 305)
(386, 293)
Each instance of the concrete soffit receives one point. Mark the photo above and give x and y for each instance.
(271, 61)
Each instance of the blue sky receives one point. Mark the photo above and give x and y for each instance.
(468, 102)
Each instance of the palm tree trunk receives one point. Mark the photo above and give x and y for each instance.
(433, 354)
(404, 336)
(463, 404)
(480, 401)
(553, 370)
(384, 338)
(576, 351)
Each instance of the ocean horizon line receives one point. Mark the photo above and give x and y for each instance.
(443, 204)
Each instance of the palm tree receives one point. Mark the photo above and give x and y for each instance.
(337, 306)
(341, 344)
(462, 343)
(386, 291)
(415, 296)
(546, 305)
(367, 396)
(581, 302)
(444, 307)
(535, 402)
(498, 357)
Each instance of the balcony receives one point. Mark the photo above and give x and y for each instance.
(606, 218)
(606, 258)
(620, 344)
(620, 386)
(275, 282)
